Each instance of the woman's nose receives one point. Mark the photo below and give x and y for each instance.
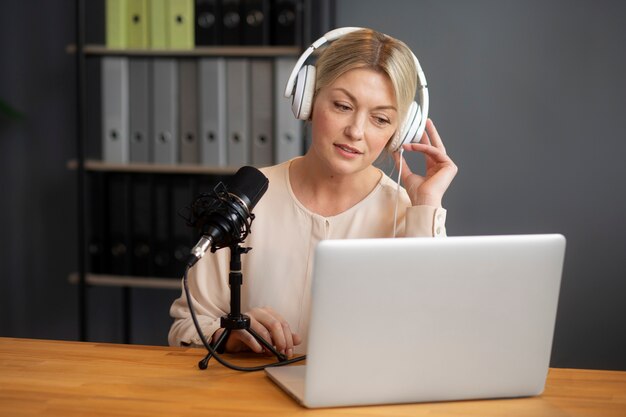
(356, 128)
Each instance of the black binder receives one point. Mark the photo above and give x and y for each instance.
(208, 27)
(96, 222)
(161, 229)
(182, 239)
(286, 22)
(256, 22)
(231, 22)
(118, 225)
(141, 225)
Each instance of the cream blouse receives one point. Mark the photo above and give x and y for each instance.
(277, 271)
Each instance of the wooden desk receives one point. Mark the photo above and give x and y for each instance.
(54, 378)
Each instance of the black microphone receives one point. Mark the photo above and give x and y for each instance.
(224, 215)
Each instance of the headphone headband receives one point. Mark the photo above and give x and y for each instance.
(328, 37)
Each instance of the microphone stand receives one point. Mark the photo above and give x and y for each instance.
(235, 320)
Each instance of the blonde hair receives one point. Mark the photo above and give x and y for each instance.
(367, 48)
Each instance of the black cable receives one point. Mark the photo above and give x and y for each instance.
(214, 352)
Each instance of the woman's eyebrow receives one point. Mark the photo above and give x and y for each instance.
(346, 92)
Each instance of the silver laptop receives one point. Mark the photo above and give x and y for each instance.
(421, 319)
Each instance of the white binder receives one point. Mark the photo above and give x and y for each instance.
(262, 112)
(139, 107)
(165, 111)
(238, 111)
(188, 133)
(115, 147)
(288, 133)
(212, 111)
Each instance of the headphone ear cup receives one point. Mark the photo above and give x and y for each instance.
(408, 130)
(413, 125)
(302, 101)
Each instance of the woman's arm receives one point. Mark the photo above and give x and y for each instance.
(208, 286)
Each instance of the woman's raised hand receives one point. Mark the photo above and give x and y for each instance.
(428, 189)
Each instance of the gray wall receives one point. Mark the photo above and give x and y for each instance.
(529, 97)
(37, 233)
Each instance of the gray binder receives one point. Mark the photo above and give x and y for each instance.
(165, 111)
(238, 108)
(115, 147)
(262, 112)
(139, 105)
(212, 109)
(188, 133)
(288, 133)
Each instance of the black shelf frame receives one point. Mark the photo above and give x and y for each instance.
(81, 132)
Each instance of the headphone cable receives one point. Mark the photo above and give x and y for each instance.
(395, 211)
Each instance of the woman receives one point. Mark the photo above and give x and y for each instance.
(364, 85)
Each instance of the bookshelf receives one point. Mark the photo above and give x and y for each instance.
(92, 171)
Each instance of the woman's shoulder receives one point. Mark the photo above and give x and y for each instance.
(388, 184)
(276, 172)
(278, 198)
(388, 190)
(278, 188)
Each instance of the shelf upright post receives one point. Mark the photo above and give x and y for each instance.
(80, 172)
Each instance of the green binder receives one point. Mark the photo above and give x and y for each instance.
(181, 24)
(116, 12)
(137, 21)
(158, 24)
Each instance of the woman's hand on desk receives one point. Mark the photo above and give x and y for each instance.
(271, 326)
(440, 169)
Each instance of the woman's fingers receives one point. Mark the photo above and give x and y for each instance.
(279, 331)
(440, 169)
(438, 154)
(433, 136)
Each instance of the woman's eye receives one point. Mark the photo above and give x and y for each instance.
(382, 120)
(341, 106)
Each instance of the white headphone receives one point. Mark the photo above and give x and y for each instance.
(301, 89)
